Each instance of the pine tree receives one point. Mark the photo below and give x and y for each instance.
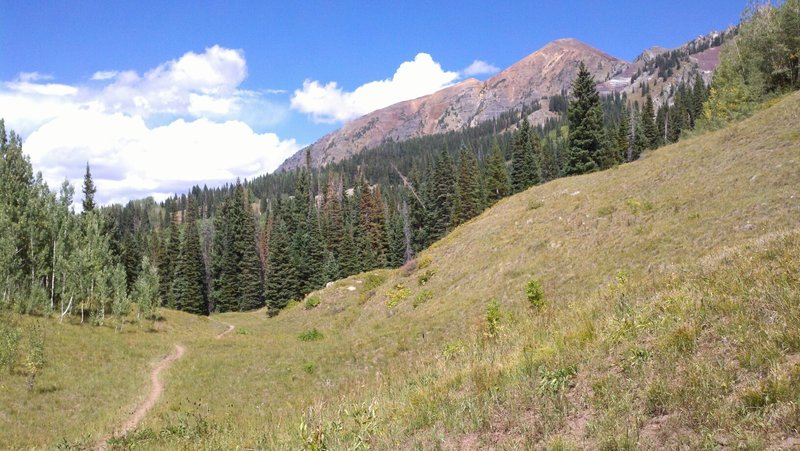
(372, 226)
(189, 284)
(316, 253)
(396, 237)
(522, 158)
(498, 183)
(282, 284)
(699, 96)
(442, 193)
(250, 270)
(648, 123)
(622, 143)
(468, 188)
(88, 191)
(585, 117)
(550, 167)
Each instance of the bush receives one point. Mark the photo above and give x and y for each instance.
(535, 294)
(396, 295)
(310, 335)
(425, 277)
(9, 342)
(373, 281)
(493, 318)
(422, 297)
(35, 360)
(553, 382)
(312, 302)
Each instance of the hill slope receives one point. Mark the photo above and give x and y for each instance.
(671, 319)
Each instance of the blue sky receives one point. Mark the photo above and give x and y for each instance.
(173, 80)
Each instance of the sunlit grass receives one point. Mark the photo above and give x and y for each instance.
(670, 314)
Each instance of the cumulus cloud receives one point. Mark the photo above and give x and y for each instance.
(131, 160)
(330, 103)
(185, 121)
(104, 75)
(479, 67)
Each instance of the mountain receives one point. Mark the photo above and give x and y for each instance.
(545, 72)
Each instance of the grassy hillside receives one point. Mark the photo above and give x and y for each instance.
(672, 318)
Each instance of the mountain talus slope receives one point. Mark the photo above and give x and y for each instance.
(547, 71)
(672, 320)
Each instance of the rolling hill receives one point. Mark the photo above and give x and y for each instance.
(671, 319)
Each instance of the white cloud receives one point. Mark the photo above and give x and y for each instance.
(204, 133)
(330, 103)
(130, 160)
(103, 75)
(480, 67)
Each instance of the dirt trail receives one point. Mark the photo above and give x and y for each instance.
(226, 331)
(155, 393)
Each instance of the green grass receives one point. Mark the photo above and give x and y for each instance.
(672, 312)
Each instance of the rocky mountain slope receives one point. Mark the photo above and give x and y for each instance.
(548, 71)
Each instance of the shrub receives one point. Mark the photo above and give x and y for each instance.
(535, 294)
(426, 276)
(424, 262)
(451, 349)
(312, 302)
(493, 318)
(553, 382)
(9, 342)
(373, 281)
(309, 367)
(35, 360)
(422, 297)
(396, 295)
(310, 335)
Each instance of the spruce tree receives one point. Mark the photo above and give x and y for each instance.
(282, 284)
(316, 253)
(498, 184)
(372, 226)
(250, 270)
(441, 197)
(468, 188)
(189, 284)
(88, 190)
(648, 123)
(396, 237)
(521, 157)
(622, 143)
(585, 117)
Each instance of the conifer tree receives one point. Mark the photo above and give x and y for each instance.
(469, 197)
(189, 284)
(442, 193)
(521, 157)
(250, 271)
(316, 253)
(622, 143)
(498, 184)
(396, 237)
(88, 190)
(282, 284)
(372, 226)
(648, 123)
(550, 167)
(419, 216)
(585, 118)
